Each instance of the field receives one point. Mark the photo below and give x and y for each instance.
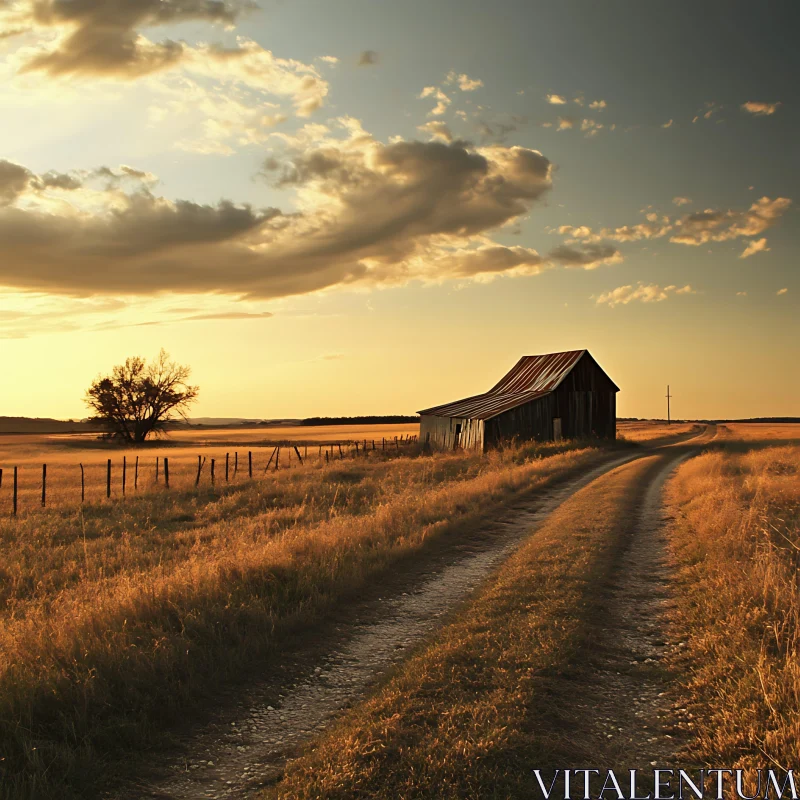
(167, 592)
(64, 453)
(119, 616)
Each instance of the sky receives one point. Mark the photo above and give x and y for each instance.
(343, 207)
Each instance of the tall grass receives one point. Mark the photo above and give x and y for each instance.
(117, 617)
(736, 542)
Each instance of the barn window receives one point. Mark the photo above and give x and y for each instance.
(458, 435)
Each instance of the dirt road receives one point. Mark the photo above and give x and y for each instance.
(247, 745)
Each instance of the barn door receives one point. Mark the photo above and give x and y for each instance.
(557, 429)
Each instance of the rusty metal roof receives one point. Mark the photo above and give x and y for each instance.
(538, 373)
(483, 406)
(532, 377)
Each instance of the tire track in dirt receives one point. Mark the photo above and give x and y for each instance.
(237, 754)
(622, 706)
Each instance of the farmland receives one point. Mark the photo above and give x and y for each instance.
(119, 615)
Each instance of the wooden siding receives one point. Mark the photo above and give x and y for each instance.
(584, 400)
(440, 432)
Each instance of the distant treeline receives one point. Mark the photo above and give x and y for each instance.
(391, 419)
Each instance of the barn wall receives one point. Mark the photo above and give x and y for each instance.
(583, 415)
(586, 414)
(440, 432)
(532, 420)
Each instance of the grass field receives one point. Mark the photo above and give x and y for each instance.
(118, 615)
(736, 547)
(65, 453)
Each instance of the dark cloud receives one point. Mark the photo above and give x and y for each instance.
(102, 37)
(14, 180)
(712, 225)
(587, 256)
(387, 215)
(368, 58)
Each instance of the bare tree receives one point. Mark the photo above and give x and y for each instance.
(138, 398)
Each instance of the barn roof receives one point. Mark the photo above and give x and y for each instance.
(483, 406)
(531, 378)
(539, 373)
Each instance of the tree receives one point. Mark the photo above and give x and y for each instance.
(138, 398)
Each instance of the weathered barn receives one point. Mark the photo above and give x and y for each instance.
(547, 397)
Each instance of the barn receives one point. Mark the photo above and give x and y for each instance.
(548, 397)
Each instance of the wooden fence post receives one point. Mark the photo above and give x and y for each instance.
(108, 478)
(305, 456)
(383, 442)
(326, 457)
(298, 455)
(166, 471)
(277, 456)
(356, 444)
(136, 474)
(1, 477)
(44, 485)
(227, 458)
(235, 463)
(339, 445)
(83, 485)
(212, 471)
(124, 473)
(250, 463)
(156, 469)
(15, 491)
(201, 460)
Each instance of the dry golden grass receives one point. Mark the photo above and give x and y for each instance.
(760, 431)
(117, 615)
(64, 453)
(468, 716)
(736, 544)
(647, 430)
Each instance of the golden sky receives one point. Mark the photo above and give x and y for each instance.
(355, 208)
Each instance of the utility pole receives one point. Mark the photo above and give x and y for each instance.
(668, 397)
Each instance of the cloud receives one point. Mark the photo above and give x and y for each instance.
(14, 180)
(711, 225)
(760, 109)
(598, 105)
(443, 100)
(781, 291)
(556, 99)
(755, 246)
(437, 130)
(682, 201)
(465, 83)
(226, 315)
(102, 37)
(493, 260)
(741, 294)
(368, 213)
(587, 256)
(667, 124)
(369, 58)
(565, 123)
(645, 293)
(654, 228)
(590, 127)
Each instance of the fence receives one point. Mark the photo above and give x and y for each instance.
(116, 479)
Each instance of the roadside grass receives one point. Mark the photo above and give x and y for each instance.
(117, 617)
(735, 540)
(477, 710)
